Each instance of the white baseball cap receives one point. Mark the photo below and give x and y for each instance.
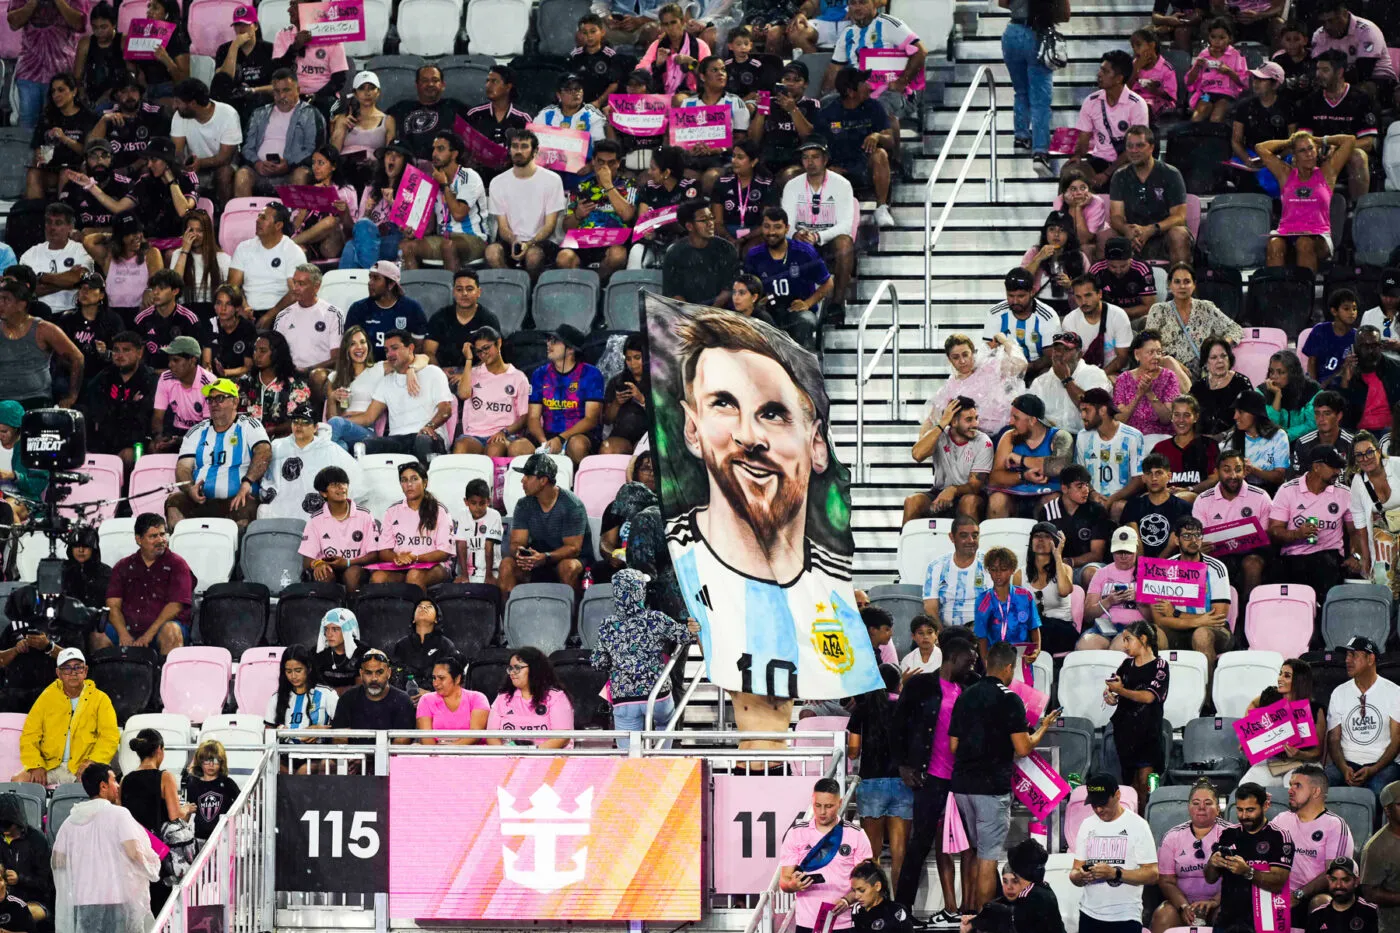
(1125, 539)
(70, 654)
(363, 78)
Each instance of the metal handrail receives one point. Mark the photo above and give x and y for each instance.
(987, 129)
(864, 375)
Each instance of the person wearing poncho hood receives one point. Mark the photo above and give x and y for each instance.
(337, 650)
(289, 491)
(24, 856)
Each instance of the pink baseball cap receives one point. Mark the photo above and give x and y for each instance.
(390, 270)
(1269, 71)
(245, 14)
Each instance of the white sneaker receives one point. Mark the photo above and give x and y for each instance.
(883, 217)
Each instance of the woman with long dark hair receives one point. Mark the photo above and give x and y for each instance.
(748, 297)
(531, 699)
(228, 350)
(626, 398)
(199, 263)
(127, 260)
(323, 235)
(1137, 691)
(1057, 259)
(1218, 387)
(301, 702)
(1264, 444)
(415, 537)
(59, 138)
(451, 705)
(98, 63)
(884, 802)
(272, 390)
(738, 199)
(1295, 682)
(1050, 578)
(372, 236)
(1289, 393)
(415, 654)
(1186, 322)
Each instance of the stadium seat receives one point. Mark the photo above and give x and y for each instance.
(11, 727)
(1236, 230)
(1274, 338)
(599, 478)
(1252, 360)
(448, 476)
(1356, 609)
(556, 23)
(209, 24)
(1279, 618)
(465, 77)
(1013, 533)
(301, 608)
(1057, 870)
(431, 288)
(498, 27)
(1240, 676)
(817, 724)
(903, 601)
(622, 300)
(15, 157)
(269, 554)
(428, 27)
(595, 535)
(6, 589)
(1364, 280)
(32, 798)
(385, 611)
(34, 547)
(195, 681)
(107, 472)
(376, 28)
(514, 491)
(1282, 295)
(584, 683)
(344, 287)
(1193, 216)
(507, 293)
(208, 545)
(539, 615)
(468, 615)
(1329, 670)
(1375, 227)
(597, 605)
(202, 67)
(921, 542)
(116, 538)
(1199, 151)
(236, 224)
(1234, 609)
(382, 477)
(1077, 809)
(1224, 287)
(488, 672)
(1210, 741)
(398, 75)
(175, 728)
(234, 616)
(1186, 691)
(1081, 684)
(1073, 740)
(149, 477)
(65, 797)
(232, 729)
(126, 675)
(1167, 806)
(565, 296)
(1356, 805)
(259, 669)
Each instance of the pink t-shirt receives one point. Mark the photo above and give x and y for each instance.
(1294, 505)
(798, 841)
(312, 331)
(434, 707)
(1212, 508)
(1095, 212)
(315, 65)
(1109, 579)
(325, 538)
(940, 763)
(511, 712)
(1105, 122)
(1177, 856)
(1363, 40)
(1211, 80)
(275, 137)
(47, 43)
(1375, 415)
(1315, 844)
(888, 655)
(399, 531)
(1157, 85)
(497, 401)
(187, 402)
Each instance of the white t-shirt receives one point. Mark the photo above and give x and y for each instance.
(44, 260)
(1125, 843)
(738, 110)
(1117, 329)
(1365, 728)
(311, 332)
(204, 139)
(408, 413)
(913, 662)
(267, 273)
(201, 294)
(476, 532)
(525, 202)
(1060, 409)
(362, 387)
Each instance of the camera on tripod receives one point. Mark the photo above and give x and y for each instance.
(54, 441)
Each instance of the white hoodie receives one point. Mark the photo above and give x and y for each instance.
(289, 490)
(103, 856)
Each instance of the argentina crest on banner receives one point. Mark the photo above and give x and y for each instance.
(756, 503)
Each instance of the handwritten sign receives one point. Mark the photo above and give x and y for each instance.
(651, 220)
(1179, 582)
(561, 149)
(483, 151)
(1263, 732)
(333, 21)
(1303, 723)
(413, 204)
(1243, 534)
(639, 114)
(1037, 785)
(309, 197)
(702, 126)
(144, 37)
(594, 237)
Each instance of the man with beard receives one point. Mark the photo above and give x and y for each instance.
(821, 204)
(1309, 515)
(1370, 382)
(526, 202)
(1104, 327)
(387, 308)
(1319, 838)
(1337, 108)
(462, 210)
(1207, 629)
(1328, 407)
(374, 704)
(548, 530)
(794, 277)
(1229, 501)
(119, 400)
(419, 121)
(208, 133)
(130, 126)
(498, 117)
(1029, 457)
(962, 460)
(1363, 722)
(812, 889)
(1253, 854)
(755, 411)
(1025, 319)
(1346, 913)
(1063, 385)
(97, 194)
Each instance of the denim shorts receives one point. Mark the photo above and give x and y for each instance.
(879, 797)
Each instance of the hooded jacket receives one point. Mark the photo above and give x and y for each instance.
(289, 490)
(93, 724)
(92, 866)
(339, 670)
(27, 855)
(634, 639)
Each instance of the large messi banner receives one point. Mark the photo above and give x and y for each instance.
(757, 507)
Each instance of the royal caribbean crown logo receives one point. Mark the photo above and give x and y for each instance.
(546, 823)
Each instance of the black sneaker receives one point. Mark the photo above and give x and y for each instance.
(1020, 143)
(1042, 165)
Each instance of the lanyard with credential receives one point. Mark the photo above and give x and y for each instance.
(1003, 612)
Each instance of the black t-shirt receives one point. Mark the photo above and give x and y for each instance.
(1299, 78)
(1148, 201)
(1155, 522)
(15, 916)
(76, 127)
(884, 917)
(1141, 720)
(85, 334)
(745, 77)
(154, 70)
(338, 670)
(415, 657)
(119, 411)
(253, 67)
(1088, 524)
(598, 70)
(1354, 114)
(632, 421)
(698, 275)
(743, 208)
(846, 129)
(1302, 449)
(1360, 917)
(450, 334)
(653, 195)
(1263, 123)
(1128, 289)
(129, 141)
(985, 717)
(419, 123)
(231, 351)
(212, 800)
(780, 137)
(879, 758)
(1218, 405)
(88, 211)
(1268, 845)
(357, 711)
(157, 207)
(483, 119)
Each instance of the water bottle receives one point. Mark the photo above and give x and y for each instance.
(285, 580)
(587, 578)
(411, 685)
(137, 449)
(1074, 779)
(1312, 522)
(1153, 780)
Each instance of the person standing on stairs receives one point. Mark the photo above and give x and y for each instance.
(1033, 83)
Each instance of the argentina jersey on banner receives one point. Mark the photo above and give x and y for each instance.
(757, 507)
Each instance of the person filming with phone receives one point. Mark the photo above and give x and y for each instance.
(820, 850)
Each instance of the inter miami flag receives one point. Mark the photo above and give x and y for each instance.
(757, 507)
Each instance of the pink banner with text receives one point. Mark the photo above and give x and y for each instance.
(702, 126)
(144, 37)
(1179, 582)
(333, 21)
(1263, 732)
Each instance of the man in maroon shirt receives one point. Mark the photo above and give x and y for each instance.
(150, 594)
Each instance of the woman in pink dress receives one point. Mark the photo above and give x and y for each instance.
(1304, 232)
(1217, 77)
(1153, 78)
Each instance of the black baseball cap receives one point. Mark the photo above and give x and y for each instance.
(813, 142)
(1362, 643)
(398, 146)
(798, 68)
(570, 80)
(1029, 405)
(1390, 282)
(1327, 454)
(542, 465)
(1101, 786)
(304, 412)
(1019, 280)
(1342, 863)
(568, 335)
(1119, 247)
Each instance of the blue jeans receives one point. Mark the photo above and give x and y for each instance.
(1384, 776)
(367, 246)
(632, 717)
(1033, 83)
(31, 102)
(347, 433)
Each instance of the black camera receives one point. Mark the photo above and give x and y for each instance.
(52, 439)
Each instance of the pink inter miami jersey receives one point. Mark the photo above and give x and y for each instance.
(1315, 844)
(324, 538)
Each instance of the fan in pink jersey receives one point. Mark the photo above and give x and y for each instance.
(1318, 834)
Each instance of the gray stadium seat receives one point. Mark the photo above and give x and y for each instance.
(1167, 807)
(1236, 230)
(1356, 805)
(566, 296)
(903, 601)
(597, 605)
(6, 589)
(431, 288)
(33, 797)
(234, 616)
(1356, 609)
(65, 796)
(269, 552)
(816, 63)
(507, 293)
(622, 302)
(539, 615)
(397, 77)
(1375, 227)
(556, 22)
(15, 157)
(1074, 737)
(1210, 740)
(464, 76)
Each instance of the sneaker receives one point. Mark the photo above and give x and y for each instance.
(1042, 165)
(1020, 143)
(883, 217)
(946, 918)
